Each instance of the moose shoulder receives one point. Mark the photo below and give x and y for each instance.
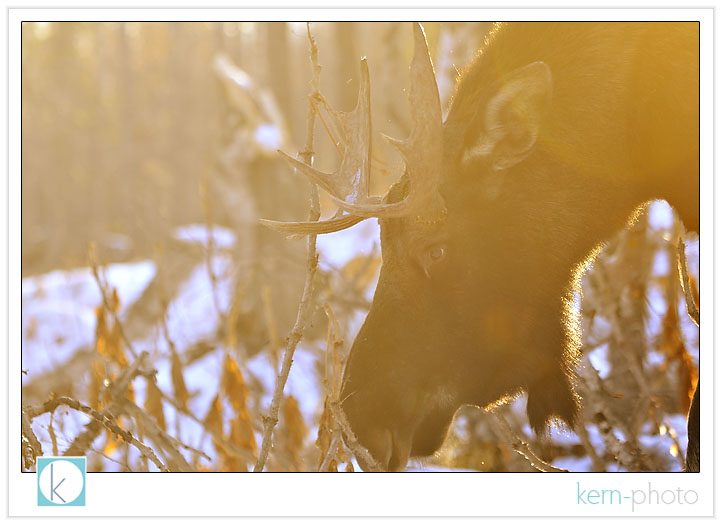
(557, 133)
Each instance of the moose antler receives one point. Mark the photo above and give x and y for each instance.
(422, 152)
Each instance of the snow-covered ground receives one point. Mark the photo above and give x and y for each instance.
(58, 310)
(58, 317)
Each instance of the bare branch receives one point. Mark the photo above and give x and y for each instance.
(522, 447)
(162, 440)
(106, 302)
(353, 444)
(229, 448)
(331, 454)
(597, 463)
(103, 418)
(304, 308)
(626, 453)
(117, 391)
(692, 309)
(31, 445)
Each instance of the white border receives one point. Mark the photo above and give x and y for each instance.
(459, 494)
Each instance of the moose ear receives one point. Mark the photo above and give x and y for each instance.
(513, 116)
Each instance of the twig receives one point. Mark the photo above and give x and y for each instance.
(692, 309)
(228, 447)
(304, 308)
(335, 439)
(106, 302)
(120, 385)
(33, 448)
(117, 391)
(169, 444)
(274, 342)
(353, 444)
(522, 447)
(332, 342)
(605, 420)
(597, 463)
(111, 459)
(103, 418)
(209, 249)
(646, 394)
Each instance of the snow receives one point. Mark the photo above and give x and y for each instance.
(660, 215)
(58, 318)
(303, 381)
(660, 265)
(58, 310)
(599, 358)
(338, 248)
(199, 234)
(573, 463)
(563, 436)
(595, 438)
(268, 136)
(192, 315)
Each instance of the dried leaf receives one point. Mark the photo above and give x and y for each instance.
(214, 417)
(97, 378)
(233, 385)
(101, 330)
(231, 463)
(154, 403)
(325, 431)
(674, 349)
(114, 348)
(179, 386)
(234, 388)
(241, 435)
(31, 331)
(115, 301)
(110, 444)
(294, 426)
(688, 377)
(242, 432)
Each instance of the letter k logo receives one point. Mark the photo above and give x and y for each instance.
(61, 481)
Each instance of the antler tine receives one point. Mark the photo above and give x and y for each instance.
(313, 227)
(350, 181)
(348, 185)
(422, 151)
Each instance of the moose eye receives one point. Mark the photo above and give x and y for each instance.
(431, 256)
(436, 253)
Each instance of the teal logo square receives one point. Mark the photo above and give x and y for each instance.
(61, 481)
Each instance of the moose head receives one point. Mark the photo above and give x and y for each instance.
(485, 235)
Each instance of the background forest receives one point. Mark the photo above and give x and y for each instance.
(156, 310)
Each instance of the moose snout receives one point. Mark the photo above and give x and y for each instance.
(389, 445)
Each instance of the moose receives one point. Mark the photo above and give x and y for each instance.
(556, 135)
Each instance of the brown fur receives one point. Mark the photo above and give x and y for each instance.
(621, 127)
